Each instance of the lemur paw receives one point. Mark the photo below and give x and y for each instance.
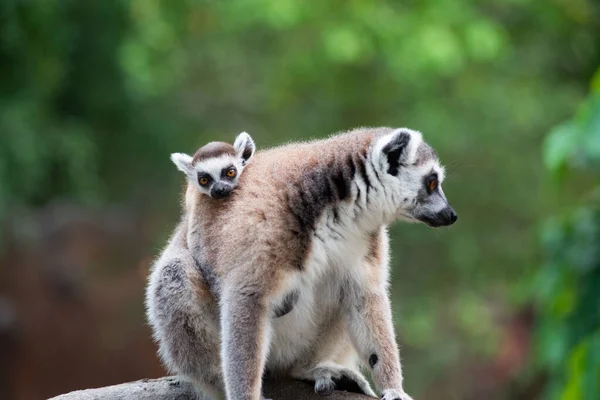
(324, 386)
(264, 398)
(391, 394)
(329, 379)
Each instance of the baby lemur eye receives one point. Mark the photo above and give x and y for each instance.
(203, 180)
(231, 172)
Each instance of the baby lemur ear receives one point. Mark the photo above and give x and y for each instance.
(183, 163)
(396, 149)
(244, 147)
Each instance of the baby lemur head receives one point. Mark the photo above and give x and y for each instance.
(216, 167)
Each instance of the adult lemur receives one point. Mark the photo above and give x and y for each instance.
(299, 261)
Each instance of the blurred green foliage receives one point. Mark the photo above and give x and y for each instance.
(568, 286)
(96, 94)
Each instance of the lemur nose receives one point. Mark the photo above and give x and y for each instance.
(453, 216)
(221, 191)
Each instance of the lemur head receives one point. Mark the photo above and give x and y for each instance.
(216, 167)
(412, 176)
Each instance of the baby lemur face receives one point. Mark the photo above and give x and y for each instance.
(216, 167)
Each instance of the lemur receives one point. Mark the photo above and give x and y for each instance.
(301, 267)
(212, 174)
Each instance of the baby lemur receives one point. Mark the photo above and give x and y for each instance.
(213, 173)
(299, 266)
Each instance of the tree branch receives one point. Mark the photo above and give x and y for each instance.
(173, 388)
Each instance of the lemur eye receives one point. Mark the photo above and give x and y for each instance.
(432, 183)
(231, 172)
(203, 180)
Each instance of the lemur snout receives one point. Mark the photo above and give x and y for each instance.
(447, 216)
(220, 191)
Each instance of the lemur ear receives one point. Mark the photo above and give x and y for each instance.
(397, 148)
(183, 163)
(244, 147)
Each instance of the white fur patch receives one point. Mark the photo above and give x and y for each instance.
(409, 154)
(214, 166)
(183, 162)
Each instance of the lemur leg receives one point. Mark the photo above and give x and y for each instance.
(184, 319)
(333, 363)
(369, 320)
(246, 333)
(329, 376)
(195, 356)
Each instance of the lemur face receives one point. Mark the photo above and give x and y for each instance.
(216, 167)
(217, 177)
(413, 179)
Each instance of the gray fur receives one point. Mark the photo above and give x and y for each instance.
(176, 318)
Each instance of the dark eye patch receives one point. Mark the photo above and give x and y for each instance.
(202, 176)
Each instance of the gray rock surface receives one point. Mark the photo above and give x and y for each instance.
(172, 388)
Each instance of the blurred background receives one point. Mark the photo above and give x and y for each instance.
(95, 95)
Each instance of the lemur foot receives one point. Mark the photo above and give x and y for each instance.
(391, 394)
(264, 398)
(328, 379)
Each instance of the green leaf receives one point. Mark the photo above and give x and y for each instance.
(575, 371)
(559, 145)
(591, 379)
(591, 129)
(596, 82)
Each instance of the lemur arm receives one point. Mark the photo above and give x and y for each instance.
(369, 322)
(245, 336)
